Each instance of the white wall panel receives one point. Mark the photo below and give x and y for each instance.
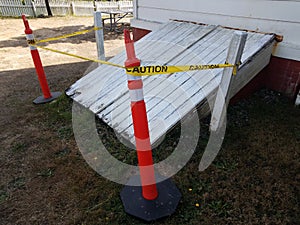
(280, 17)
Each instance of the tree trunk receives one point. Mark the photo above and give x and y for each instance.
(48, 8)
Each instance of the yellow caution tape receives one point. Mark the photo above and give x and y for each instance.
(134, 71)
(67, 35)
(79, 57)
(155, 70)
(147, 70)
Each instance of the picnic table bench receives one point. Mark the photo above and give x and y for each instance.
(114, 16)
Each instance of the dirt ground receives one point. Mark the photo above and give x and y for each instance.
(44, 179)
(21, 130)
(14, 50)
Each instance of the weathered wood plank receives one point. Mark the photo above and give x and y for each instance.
(169, 98)
(93, 83)
(150, 84)
(185, 81)
(166, 52)
(162, 88)
(234, 56)
(88, 80)
(201, 95)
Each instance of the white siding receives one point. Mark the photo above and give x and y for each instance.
(280, 17)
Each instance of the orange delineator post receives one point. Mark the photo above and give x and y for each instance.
(148, 196)
(140, 124)
(47, 95)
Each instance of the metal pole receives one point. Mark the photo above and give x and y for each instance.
(99, 35)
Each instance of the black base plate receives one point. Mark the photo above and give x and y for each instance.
(149, 210)
(42, 100)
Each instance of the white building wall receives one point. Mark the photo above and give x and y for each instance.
(280, 17)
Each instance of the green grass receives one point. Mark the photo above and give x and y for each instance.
(65, 132)
(225, 165)
(262, 135)
(19, 147)
(63, 152)
(17, 183)
(49, 172)
(220, 208)
(3, 195)
(58, 111)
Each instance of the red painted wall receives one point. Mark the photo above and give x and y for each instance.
(280, 75)
(139, 33)
(283, 75)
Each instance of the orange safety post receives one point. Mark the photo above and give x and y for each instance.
(142, 196)
(140, 124)
(47, 95)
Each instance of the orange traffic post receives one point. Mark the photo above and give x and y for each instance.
(146, 199)
(47, 95)
(140, 124)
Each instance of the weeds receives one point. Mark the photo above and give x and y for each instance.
(19, 147)
(59, 113)
(220, 208)
(62, 152)
(3, 195)
(65, 132)
(49, 172)
(226, 165)
(17, 183)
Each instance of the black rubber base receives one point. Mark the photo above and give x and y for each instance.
(42, 100)
(149, 210)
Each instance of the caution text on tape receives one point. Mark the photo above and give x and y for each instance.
(155, 70)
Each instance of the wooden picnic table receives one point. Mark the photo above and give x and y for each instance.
(115, 16)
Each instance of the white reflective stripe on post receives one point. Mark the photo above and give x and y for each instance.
(143, 144)
(136, 95)
(130, 77)
(32, 48)
(30, 37)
